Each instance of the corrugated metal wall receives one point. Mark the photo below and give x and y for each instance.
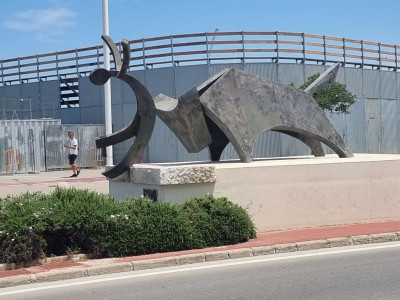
(28, 137)
(41, 143)
(371, 127)
(56, 137)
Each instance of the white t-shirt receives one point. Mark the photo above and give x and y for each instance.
(73, 142)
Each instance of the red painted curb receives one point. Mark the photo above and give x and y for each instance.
(262, 239)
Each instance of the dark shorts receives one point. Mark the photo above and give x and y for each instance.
(72, 158)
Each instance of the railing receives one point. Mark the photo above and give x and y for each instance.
(198, 48)
(12, 158)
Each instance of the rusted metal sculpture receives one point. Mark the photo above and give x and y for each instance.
(142, 125)
(231, 106)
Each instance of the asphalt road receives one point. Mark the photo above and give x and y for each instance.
(357, 272)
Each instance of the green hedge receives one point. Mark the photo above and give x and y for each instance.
(35, 225)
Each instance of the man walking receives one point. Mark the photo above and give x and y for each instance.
(73, 153)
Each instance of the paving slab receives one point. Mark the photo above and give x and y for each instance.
(46, 182)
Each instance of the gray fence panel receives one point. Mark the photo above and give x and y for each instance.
(215, 68)
(291, 73)
(163, 145)
(398, 85)
(187, 77)
(54, 147)
(389, 127)
(56, 137)
(229, 153)
(117, 117)
(3, 147)
(268, 71)
(116, 90)
(90, 95)
(32, 91)
(128, 96)
(183, 155)
(312, 70)
(340, 77)
(50, 93)
(268, 144)
(388, 85)
(371, 84)
(339, 123)
(71, 115)
(354, 81)
(355, 120)
(293, 147)
(28, 137)
(160, 81)
(87, 142)
(373, 127)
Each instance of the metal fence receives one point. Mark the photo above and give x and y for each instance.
(208, 48)
(56, 137)
(40, 143)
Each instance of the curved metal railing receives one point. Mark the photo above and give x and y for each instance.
(207, 48)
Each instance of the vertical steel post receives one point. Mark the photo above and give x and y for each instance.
(57, 70)
(243, 50)
(344, 53)
(304, 47)
(98, 56)
(37, 67)
(380, 58)
(144, 55)
(173, 64)
(107, 85)
(2, 74)
(277, 46)
(324, 49)
(208, 55)
(395, 57)
(19, 70)
(362, 54)
(77, 62)
(172, 51)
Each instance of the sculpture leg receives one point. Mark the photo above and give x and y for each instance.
(219, 140)
(314, 144)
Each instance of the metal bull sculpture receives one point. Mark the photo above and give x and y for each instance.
(231, 106)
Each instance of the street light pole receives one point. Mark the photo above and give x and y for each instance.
(107, 86)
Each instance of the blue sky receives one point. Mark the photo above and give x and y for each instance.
(30, 27)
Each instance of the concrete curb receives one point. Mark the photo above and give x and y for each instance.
(119, 267)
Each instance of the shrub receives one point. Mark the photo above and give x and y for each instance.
(34, 225)
(334, 97)
(75, 216)
(219, 221)
(143, 227)
(21, 228)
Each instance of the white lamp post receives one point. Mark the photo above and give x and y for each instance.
(107, 86)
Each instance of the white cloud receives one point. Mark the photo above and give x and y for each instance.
(45, 23)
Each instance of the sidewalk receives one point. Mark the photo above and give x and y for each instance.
(46, 182)
(265, 244)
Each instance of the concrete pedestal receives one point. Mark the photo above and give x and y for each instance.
(280, 193)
